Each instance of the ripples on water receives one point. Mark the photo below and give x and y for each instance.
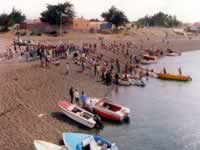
(165, 115)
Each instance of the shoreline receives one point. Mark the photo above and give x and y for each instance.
(28, 91)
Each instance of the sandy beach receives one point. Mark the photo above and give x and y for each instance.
(28, 93)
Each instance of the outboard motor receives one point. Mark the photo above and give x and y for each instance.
(127, 119)
(99, 124)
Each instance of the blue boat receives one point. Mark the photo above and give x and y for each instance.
(78, 141)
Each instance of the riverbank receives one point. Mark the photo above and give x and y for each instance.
(28, 93)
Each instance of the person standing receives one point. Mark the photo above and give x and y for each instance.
(83, 99)
(118, 66)
(67, 68)
(71, 93)
(76, 95)
(180, 71)
(164, 70)
(117, 78)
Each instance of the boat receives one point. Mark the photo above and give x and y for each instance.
(124, 82)
(169, 76)
(148, 62)
(108, 110)
(173, 54)
(78, 141)
(42, 145)
(148, 57)
(137, 82)
(78, 114)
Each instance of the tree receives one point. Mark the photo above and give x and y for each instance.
(60, 13)
(7, 20)
(159, 19)
(115, 16)
(15, 17)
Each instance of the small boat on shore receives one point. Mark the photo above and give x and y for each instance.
(108, 110)
(78, 114)
(124, 82)
(137, 82)
(148, 62)
(42, 145)
(173, 54)
(78, 141)
(148, 57)
(168, 76)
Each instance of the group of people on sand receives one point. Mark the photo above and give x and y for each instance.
(79, 99)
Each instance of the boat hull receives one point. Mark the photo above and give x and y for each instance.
(79, 120)
(173, 77)
(124, 83)
(148, 57)
(42, 145)
(73, 116)
(107, 115)
(173, 54)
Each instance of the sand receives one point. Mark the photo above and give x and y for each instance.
(29, 93)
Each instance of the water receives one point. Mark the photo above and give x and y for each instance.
(165, 115)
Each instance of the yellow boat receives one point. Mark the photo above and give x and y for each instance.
(168, 76)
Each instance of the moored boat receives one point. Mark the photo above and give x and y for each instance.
(148, 57)
(173, 54)
(124, 82)
(42, 145)
(78, 141)
(108, 110)
(169, 76)
(78, 114)
(148, 62)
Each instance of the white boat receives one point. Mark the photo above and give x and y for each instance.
(148, 62)
(124, 82)
(173, 54)
(77, 114)
(137, 82)
(42, 145)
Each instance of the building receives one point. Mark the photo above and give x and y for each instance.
(78, 24)
(194, 27)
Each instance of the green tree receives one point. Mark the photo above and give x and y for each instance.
(15, 17)
(7, 20)
(159, 19)
(115, 16)
(55, 13)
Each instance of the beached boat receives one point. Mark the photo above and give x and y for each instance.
(148, 62)
(168, 76)
(124, 82)
(42, 145)
(78, 141)
(108, 110)
(173, 54)
(78, 114)
(137, 82)
(148, 57)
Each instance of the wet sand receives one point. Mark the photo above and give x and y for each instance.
(29, 93)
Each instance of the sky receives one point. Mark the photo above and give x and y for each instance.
(185, 10)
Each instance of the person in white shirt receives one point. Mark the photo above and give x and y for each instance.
(67, 68)
(77, 96)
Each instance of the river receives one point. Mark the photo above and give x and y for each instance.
(165, 115)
